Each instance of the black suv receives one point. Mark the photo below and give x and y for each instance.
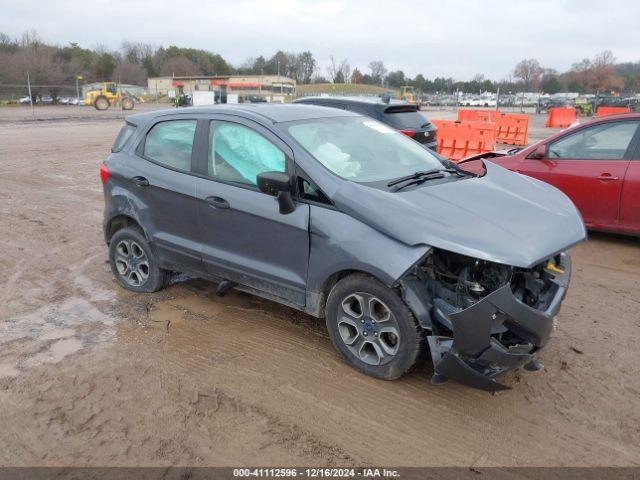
(398, 114)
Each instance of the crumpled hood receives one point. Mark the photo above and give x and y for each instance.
(502, 217)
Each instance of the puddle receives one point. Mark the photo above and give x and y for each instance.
(50, 334)
(8, 370)
(56, 352)
(179, 310)
(56, 333)
(52, 322)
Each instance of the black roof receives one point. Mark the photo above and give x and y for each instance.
(275, 112)
(360, 100)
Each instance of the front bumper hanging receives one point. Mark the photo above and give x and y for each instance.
(473, 354)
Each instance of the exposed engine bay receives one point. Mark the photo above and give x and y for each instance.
(484, 318)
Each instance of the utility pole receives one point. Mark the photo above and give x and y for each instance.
(279, 79)
(78, 77)
(120, 91)
(33, 113)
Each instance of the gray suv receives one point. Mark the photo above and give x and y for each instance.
(343, 217)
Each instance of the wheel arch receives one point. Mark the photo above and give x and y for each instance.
(120, 221)
(316, 301)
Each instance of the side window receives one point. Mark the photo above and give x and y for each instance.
(608, 141)
(238, 153)
(170, 143)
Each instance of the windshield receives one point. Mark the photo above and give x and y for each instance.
(361, 149)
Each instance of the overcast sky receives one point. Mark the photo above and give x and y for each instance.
(457, 38)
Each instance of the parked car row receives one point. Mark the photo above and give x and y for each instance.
(50, 100)
(587, 104)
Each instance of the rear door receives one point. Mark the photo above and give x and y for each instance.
(163, 178)
(630, 199)
(244, 236)
(589, 165)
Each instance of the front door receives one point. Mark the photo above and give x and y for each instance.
(244, 237)
(589, 166)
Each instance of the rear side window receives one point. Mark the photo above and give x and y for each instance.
(123, 137)
(405, 118)
(170, 143)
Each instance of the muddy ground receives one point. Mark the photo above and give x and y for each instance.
(91, 374)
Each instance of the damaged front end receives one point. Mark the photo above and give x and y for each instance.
(484, 318)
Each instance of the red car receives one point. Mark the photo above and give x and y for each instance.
(596, 164)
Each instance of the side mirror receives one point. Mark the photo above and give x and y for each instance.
(277, 184)
(539, 153)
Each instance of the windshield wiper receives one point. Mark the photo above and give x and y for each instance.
(419, 180)
(420, 175)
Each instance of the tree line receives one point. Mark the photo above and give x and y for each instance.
(134, 62)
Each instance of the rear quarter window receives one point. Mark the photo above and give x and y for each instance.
(123, 137)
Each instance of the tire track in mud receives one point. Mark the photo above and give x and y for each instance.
(410, 416)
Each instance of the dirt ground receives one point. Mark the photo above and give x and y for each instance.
(91, 374)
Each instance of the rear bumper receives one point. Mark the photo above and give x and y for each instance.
(475, 354)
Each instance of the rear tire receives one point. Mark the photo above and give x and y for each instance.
(133, 262)
(101, 103)
(127, 103)
(372, 327)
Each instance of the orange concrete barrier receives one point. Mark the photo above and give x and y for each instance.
(458, 140)
(475, 115)
(561, 117)
(604, 111)
(512, 129)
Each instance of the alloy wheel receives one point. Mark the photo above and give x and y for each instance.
(368, 328)
(132, 262)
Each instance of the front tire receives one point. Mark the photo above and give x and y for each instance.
(101, 103)
(133, 262)
(372, 328)
(127, 103)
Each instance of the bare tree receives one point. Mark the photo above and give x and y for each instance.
(332, 69)
(345, 69)
(30, 38)
(378, 70)
(132, 73)
(603, 72)
(529, 72)
(179, 66)
(136, 52)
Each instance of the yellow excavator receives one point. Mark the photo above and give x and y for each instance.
(108, 96)
(408, 94)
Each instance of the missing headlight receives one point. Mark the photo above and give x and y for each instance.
(462, 280)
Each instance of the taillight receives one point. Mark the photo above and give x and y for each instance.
(104, 173)
(408, 133)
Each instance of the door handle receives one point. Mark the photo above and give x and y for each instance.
(606, 177)
(140, 181)
(217, 202)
